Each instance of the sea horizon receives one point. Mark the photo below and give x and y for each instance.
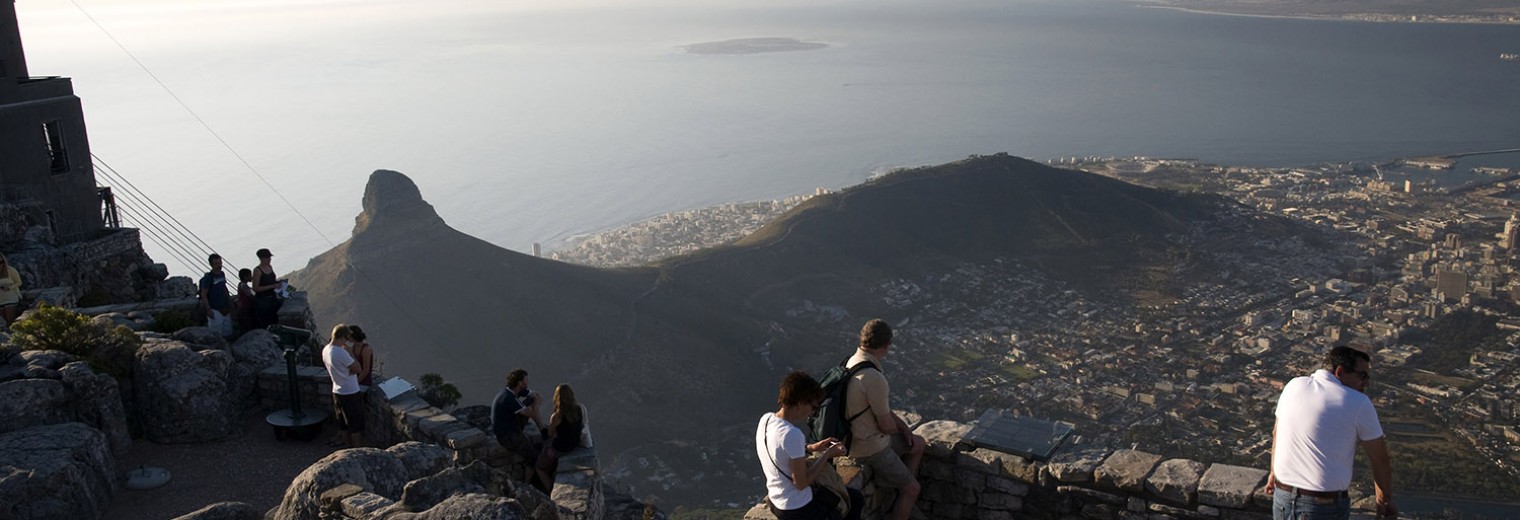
(536, 123)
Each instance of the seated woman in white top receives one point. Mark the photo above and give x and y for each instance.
(783, 451)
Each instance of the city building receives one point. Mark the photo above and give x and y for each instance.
(1511, 235)
(1452, 285)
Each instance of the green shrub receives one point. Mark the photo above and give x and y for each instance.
(437, 392)
(108, 349)
(170, 322)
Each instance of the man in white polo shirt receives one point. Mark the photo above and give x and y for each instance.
(1320, 420)
(348, 401)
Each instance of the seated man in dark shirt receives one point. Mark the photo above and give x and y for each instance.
(510, 413)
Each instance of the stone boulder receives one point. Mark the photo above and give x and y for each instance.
(96, 401)
(421, 459)
(475, 506)
(1176, 480)
(202, 337)
(944, 437)
(621, 506)
(1125, 470)
(58, 471)
(183, 395)
(426, 492)
(1229, 486)
(25, 403)
(50, 359)
(377, 471)
(760, 511)
(223, 511)
(172, 287)
(38, 364)
(538, 505)
(478, 416)
(68, 391)
(252, 353)
(1075, 468)
(138, 321)
(259, 348)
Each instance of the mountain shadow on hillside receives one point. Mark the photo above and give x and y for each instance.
(690, 349)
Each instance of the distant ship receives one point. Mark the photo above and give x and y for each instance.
(1509, 56)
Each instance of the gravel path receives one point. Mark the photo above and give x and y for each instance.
(251, 467)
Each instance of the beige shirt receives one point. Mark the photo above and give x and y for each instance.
(10, 287)
(868, 388)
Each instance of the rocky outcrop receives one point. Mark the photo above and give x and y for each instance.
(377, 471)
(578, 487)
(202, 336)
(475, 506)
(183, 396)
(424, 493)
(49, 387)
(32, 402)
(370, 484)
(258, 348)
(96, 401)
(392, 200)
(421, 459)
(60, 471)
(223, 511)
(255, 351)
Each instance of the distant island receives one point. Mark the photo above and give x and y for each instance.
(753, 46)
(1432, 11)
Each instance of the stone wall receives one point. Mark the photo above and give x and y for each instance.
(111, 267)
(962, 482)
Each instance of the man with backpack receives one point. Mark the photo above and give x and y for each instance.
(878, 438)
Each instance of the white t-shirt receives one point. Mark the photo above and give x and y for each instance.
(777, 442)
(1319, 423)
(338, 361)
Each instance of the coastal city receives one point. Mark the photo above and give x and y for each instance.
(1412, 260)
(676, 233)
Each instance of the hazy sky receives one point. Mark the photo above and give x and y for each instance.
(535, 120)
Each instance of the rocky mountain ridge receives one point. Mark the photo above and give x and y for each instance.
(718, 327)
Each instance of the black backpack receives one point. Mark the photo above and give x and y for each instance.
(829, 419)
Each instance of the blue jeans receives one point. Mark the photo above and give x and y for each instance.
(1290, 506)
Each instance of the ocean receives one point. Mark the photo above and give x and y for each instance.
(535, 121)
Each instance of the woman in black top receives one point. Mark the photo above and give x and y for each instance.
(565, 427)
(266, 304)
(364, 354)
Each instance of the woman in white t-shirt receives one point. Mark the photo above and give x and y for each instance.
(783, 451)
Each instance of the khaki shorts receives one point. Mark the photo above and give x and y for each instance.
(887, 466)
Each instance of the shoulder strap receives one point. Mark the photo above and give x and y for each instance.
(851, 375)
(862, 366)
(771, 454)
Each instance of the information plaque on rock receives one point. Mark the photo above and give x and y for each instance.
(999, 430)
